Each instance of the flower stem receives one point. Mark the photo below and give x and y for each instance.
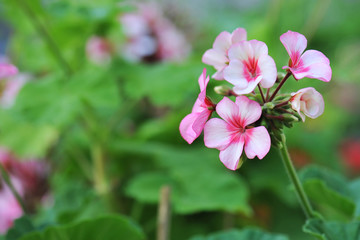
(7, 180)
(45, 35)
(261, 93)
(303, 199)
(280, 85)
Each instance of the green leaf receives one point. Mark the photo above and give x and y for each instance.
(354, 187)
(332, 230)
(198, 179)
(21, 226)
(246, 234)
(329, 191)
(107, 227)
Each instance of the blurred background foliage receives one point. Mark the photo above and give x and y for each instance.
(110, 131)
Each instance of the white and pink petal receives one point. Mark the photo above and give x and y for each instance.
(230, 156)
(217, 134)
(257, 142)
(295, 44)
(249, 110)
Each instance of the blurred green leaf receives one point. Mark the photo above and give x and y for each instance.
(199, 181)
(107, 227)
(329, 191)
(21, 227)
(354, 187)
(324, 230)
(245, 234)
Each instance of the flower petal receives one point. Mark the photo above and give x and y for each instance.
(215, 58)
(248, 88)
(241, 51)
(216, 134)
(222, 42)
(238, 35)
(227, 110)
(268, 71)
(313, 64)
(219, 75)
(234, 73)
(193, 124)
(231, 154)
(249, 110)
(257, 142)
(295, 44)
(203, 80)
(7, 70)
(259, 48)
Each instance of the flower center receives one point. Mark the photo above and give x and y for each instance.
(251, 66)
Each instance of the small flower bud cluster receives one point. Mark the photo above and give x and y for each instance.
(253, 122)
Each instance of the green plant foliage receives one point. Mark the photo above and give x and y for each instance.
(245, 234)
(107, 227)
(354, 187)
(329, 230)
(329, 191)
(198, 180)
(21, 227)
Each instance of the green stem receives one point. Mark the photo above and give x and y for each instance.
(7, 180)
(46, 36)
(100, 182)
(303, 199)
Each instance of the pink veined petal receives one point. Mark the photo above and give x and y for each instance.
(249, 110)
(234, 73)
(313, 64)
(238, 89)
(268, 71)
(231, 154)
(203, 80)
(215, 58)
(294, 43)
(227, 110)
(186, 129)
(198, 105)
(257, 142)
(242, 51)
(313, 101)
(259, 48)
(222, 42)
(217, 134)
(7, 70)
(238, 35)
(200, 121)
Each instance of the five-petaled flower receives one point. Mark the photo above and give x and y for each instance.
(218, 55)
(249, 65)
(311, 64)
(307, 101)
(193, 124)
(233, 134)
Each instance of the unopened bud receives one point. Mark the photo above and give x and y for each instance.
(269, 105)
(241, 161)
(290, 117)
(223, 90)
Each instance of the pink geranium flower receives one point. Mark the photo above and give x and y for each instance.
(98, 50)
(307, 101)
(7, 70)
(311, 64)
(233, 134)
(218, 55)
(193, 124)
(249, 65)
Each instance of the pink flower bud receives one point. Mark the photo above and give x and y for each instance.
(307, 101)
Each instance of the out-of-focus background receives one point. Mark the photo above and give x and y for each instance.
(89, 125)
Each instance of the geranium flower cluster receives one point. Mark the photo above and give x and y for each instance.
(254, 121)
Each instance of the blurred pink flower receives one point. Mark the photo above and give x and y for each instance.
(151, 36)
(350, 152)
(311, 64)
(218, 55)
(307, 101)
(11, 88)
(249, 65)
(98, 50)
(233, 135)
(193, 124)
(7, 70)
(10, 209)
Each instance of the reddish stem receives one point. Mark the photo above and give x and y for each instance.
(280, 85)
(261, 93)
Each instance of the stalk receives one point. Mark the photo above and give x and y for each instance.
(280, 85)
(302, 197)
(7, 180)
